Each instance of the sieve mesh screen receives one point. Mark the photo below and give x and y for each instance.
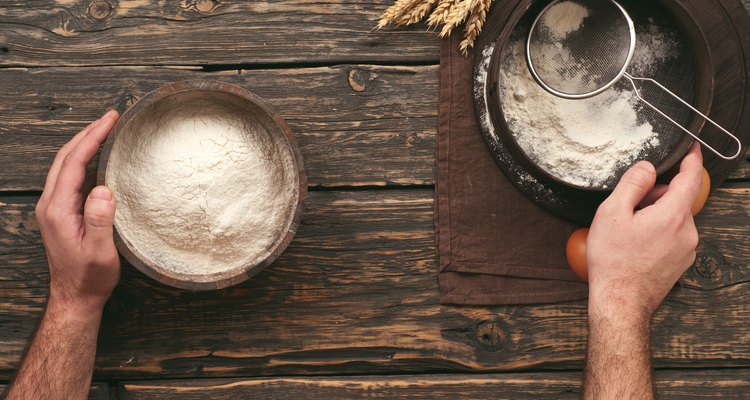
(589, 57)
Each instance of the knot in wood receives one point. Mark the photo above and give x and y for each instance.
(708, 265)
(411, 140)
(204, 5)
(358, 80)
(100, 9)
(130, 100)
(490, 336)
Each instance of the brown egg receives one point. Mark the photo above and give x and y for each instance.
(700, 201)
(576, 253)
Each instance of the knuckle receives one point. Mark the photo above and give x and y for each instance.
(97, 219)
(605, 209)
(693, 239)
(105, 259)
(680, 220)
(64, 150)
(602, 212)
(70, 159)
(639, 176)
(49, 215)
(40, 210)
(94, 210)
(53, 215)
(99, 216)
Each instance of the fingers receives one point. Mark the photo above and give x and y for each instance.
(684, 188)
(634, 186)
(98, 217)
(72, 171)
(49, 184)
(654, 195)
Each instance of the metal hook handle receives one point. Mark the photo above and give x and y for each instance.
(632, 80)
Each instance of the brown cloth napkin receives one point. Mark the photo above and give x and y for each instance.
(494, 245)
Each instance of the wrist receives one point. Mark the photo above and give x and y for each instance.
(618, 307)
(77, 309)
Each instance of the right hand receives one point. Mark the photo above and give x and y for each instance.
(636, 256)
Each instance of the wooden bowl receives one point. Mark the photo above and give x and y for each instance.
(264, 139)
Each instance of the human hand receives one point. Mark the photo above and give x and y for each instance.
(83, 262)
(636, 256)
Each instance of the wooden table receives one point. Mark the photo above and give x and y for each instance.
(351, 309)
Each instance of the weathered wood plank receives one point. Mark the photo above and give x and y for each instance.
(98, 391)
(200, 32)
(356, 293)
(683, 385)
(341, 115)
(380, 119)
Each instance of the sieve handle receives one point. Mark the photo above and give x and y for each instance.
(632, 80)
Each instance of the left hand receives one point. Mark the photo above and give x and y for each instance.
(83, 261)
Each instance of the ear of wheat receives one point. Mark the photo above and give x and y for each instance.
(448, 13)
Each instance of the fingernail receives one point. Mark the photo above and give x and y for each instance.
(101, 192)
(108, 114)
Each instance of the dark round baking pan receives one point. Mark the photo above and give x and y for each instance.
(711, 66)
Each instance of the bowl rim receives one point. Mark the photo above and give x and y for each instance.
(236, 275)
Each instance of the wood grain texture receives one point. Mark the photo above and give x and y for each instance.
(200, 32)
(683, 385)
(356, 292)
(380, 119)
(340, 115)
(98, 391)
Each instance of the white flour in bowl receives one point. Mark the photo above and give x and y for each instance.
(564, 18)
(201, 186)
(581, 142)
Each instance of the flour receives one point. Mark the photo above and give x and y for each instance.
(201, 187)
(564, 18)
(653, 47)
(581, 142)
(534, 187)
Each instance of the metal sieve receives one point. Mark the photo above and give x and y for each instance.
(586, 59)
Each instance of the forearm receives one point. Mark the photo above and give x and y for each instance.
(59, 362)
(619, 354)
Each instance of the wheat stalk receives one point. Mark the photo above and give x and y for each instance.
(449, 13)
(417, 13)
(396, 11)
(458, 14)
(441, 12)
(474, 25)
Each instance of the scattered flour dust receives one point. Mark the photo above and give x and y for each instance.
(201, 188)
(564, 18)
(582, 142)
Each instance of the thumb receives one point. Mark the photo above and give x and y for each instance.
(634, 185)
(99, 215)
